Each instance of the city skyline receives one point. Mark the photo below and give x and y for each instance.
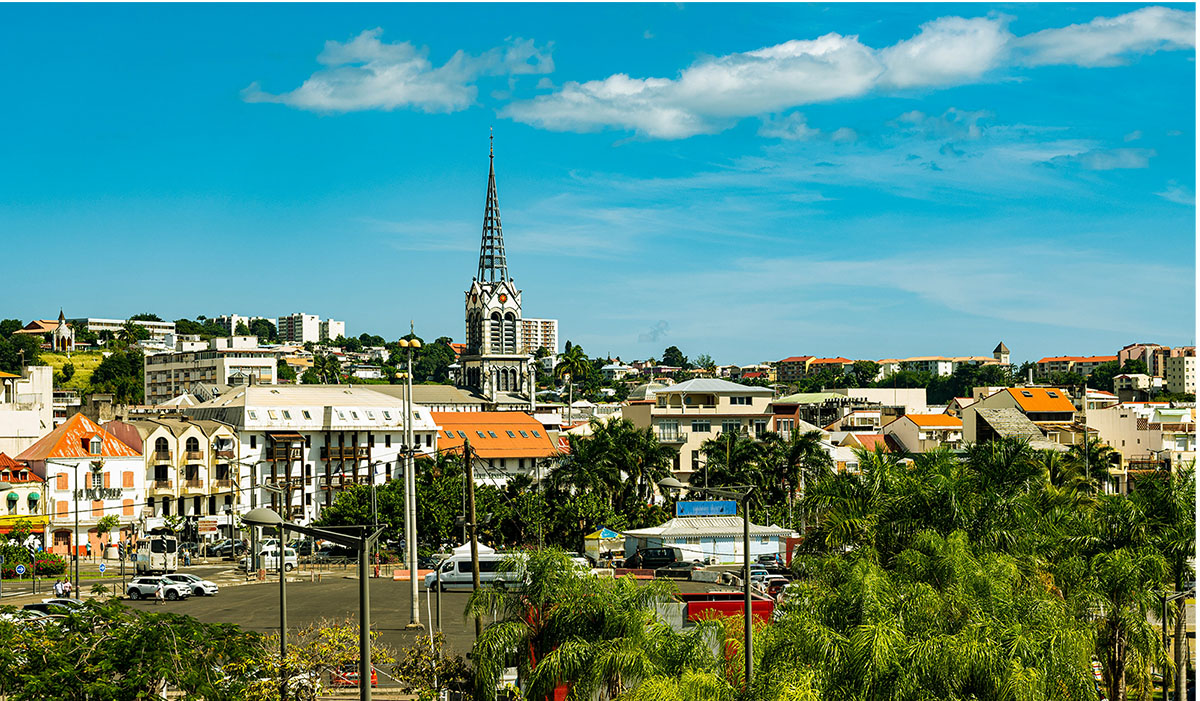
(750, 182)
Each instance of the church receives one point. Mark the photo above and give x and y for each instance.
(494, 360)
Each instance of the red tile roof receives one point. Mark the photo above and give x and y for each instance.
(832, 361)
(796, 359)
(12, 469)
(495, 427)
(67, 441)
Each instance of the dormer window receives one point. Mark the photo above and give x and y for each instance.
(95, 446)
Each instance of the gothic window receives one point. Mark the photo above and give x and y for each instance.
(510, 333)
(161, 445)
(495, 337)
(193, 445)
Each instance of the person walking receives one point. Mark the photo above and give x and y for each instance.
(158, 593)
(58, 588)
(67, 588)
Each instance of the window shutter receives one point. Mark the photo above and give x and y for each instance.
(127, 505)
(106, 480)
(61, 509)
(62, 481)
(127, 479)
(97, 509)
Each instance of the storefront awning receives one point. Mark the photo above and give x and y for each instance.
(13, 496)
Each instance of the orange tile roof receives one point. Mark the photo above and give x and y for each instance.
(7, 463)
(1041, 399)
(67, 440)
(935, 420)
(495, 427)
(871, 440)
(796, 359)
(831, 361)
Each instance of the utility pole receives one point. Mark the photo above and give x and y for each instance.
(474, 530)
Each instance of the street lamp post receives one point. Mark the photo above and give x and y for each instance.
(363, 543)
(75, 537)
(255, 562)
(741, 493)
(410, 486)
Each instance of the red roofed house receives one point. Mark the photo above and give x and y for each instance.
(504, 443)
(90, 470)
(22, 499)
(921, 433)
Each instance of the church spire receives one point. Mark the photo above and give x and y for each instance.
(492, 266)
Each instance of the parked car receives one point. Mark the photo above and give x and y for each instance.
(653, 558)
(678, 570)
(227, 548)
(304, 547)
(269, 559)
(769, 559)
(347, 675)
(200, 587)
(334, 552)
(54, 607)
(776, 584)
(146, 587)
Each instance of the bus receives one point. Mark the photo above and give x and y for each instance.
(157, 553)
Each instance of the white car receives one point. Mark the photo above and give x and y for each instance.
(269, 560)
(147, 588)
(200, 587)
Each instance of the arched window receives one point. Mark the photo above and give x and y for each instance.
(510, 333)
(495, 335)
(161, 445)
(193, 445)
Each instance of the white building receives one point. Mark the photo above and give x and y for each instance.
(921, 433)
(26, 407)
(111, 481)
(158, 329)
(229, 322)
(224, 361)
(331, 330)
(1181, 374)
(299, 328)
(539, 333)
(701, 537)
(310, 441)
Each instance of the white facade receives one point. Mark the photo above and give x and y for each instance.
(299, 328)
(225, 361)
(539, 333)
(1181, 374)
(313, 440)
(158, 329)
(26, 408)
(331, 330)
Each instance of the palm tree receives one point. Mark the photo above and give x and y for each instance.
(1094, 460)
(327, 366)
(572, 364)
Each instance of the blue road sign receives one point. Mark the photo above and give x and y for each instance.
(706, 508)
(20, 570)
(101, 568)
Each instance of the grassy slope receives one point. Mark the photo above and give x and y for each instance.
(84, 364)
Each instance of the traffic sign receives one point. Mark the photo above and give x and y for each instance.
(20, 570)
(101, 568)
(1, 559)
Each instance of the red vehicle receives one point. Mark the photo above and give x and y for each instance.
(348, 676)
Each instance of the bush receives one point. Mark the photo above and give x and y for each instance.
(48, 565)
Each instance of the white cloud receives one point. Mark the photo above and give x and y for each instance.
(1113, 159)
(1108, 41)
(952, 124)
(948, 51)
(714, 93)
(366, 73)
(1179, 194)
(792, 127)
(1133, 135)
(844, 135)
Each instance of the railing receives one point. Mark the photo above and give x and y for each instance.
(672, 437)
(226, 454)
(194, 455)
(224, 484)
(161, 485)
(193, 484)
(162, 456)
(285, 454)
(345, 453)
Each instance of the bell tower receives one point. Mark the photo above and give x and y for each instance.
(493, 361)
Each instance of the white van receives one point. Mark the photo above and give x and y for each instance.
(269, 559)
(456, 571)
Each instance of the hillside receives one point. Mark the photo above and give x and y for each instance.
(85, 363)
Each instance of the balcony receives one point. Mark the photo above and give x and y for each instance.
(224, 484)
(346, 453)
(162, 456)
(285, 454)
(224, 454)
(161, 486)
(195, 486)
(672, 437)
(194, 455)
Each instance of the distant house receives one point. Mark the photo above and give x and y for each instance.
(921, 433)
(504, 443)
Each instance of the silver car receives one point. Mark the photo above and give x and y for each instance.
(200, 587)
(147, 587)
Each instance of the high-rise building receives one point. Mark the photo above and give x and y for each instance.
(495, 359)
(299, 328)
(332, 330)
(539, 333)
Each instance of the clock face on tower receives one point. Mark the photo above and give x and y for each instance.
(503, 298)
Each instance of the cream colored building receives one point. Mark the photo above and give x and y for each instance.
(921, 433)
(1181, 374)
(158, 329)
(189, 463)
(26, 407)
(1147, 435)
(226, 361)
(686, 415)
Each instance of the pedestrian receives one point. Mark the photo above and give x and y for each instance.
(67, 588)
(158, 593)
(58, 588)
(89, 550)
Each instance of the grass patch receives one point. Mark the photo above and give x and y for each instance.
(85, 363)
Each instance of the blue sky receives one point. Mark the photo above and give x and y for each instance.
(748, 181)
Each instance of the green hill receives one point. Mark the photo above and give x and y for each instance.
(85, 363)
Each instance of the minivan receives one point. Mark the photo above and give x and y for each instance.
(653, 558)
(456, 571)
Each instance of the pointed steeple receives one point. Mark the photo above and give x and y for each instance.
(492, 266)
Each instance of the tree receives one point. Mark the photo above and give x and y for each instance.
(352, 507)
(18, 351)
(674, 357)
(310, 377)
(284, 371)
(9, 326)
(264, 330)
(705, 362)
(104, 527)
(241, 329)
(327, 367)
(864, 371)
(120, 374)
(145, 316)
(572, 365)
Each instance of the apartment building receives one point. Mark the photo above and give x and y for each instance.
(300, 445)
(932, 364)
(189, 467)
(685, 415)
(158, 329)
(921, 433)
(26, 407)
(1147, 436)
(230, 322)
(1079, 365)
(330, 330)
(225, 361)
(24, 499)
(1180, 374)
(505, 443)
(539, 333)
(838, 365)
(1049, 409)
(111, 481)
(792, 369)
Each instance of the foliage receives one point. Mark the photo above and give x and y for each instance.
(426, 670)
(18, 349)
(674, 357)
(204, 328)
(310, 377)
(264, 330)
(120, 374)
(241, 329)
(145, 316)
(284, 372)
(84, 362)
(106, 652)
(9, 326)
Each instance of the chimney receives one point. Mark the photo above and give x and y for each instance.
(1030, 381)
